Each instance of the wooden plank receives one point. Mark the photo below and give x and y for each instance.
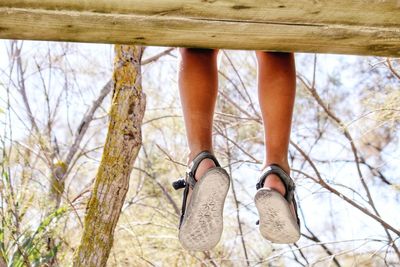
(350, 12)
(338, 26)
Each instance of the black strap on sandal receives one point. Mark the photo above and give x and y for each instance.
(286, 180)
(189, 181)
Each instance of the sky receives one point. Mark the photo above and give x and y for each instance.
(327, 65)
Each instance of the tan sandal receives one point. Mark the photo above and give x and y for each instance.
(277, 222)
(201, 222)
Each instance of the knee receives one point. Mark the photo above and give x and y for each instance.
(197, 52)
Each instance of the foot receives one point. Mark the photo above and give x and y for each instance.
(274, 182)
(204, 165)
(202, 221)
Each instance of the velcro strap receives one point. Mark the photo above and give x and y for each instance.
(285, 178)
(192, 168)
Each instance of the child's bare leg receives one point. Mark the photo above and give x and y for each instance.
(276, 92)
(198, 87)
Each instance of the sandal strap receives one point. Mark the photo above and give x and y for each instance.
(192, 168)
(285, 178)
(295, 209)
(189, 181)
(287, 182)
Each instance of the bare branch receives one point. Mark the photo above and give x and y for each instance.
(395, 73)
(85, 122)
(156, 57)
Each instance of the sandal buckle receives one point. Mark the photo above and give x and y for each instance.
(178, 184)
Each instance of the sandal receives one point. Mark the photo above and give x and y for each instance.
(201, 222)
(277, 222)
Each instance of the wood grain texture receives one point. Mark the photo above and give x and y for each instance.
(354, 12)
(364, 27)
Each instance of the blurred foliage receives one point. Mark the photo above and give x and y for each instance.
(24, 246)
(362, 91)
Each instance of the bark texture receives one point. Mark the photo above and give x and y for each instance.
(122, 145)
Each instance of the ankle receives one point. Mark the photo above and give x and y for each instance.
(204, 165)
(272, 180)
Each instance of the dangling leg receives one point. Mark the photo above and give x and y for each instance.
(276, 92)
(198, 87)
(203, 201)
(278, 222)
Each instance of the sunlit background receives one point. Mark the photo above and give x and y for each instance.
(344, 157)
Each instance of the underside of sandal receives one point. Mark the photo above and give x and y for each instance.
(277, 223)
(202, 225)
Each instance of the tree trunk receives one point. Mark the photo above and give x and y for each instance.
(122, 145)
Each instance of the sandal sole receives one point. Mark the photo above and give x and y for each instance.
(277, 223)
(202, 226)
